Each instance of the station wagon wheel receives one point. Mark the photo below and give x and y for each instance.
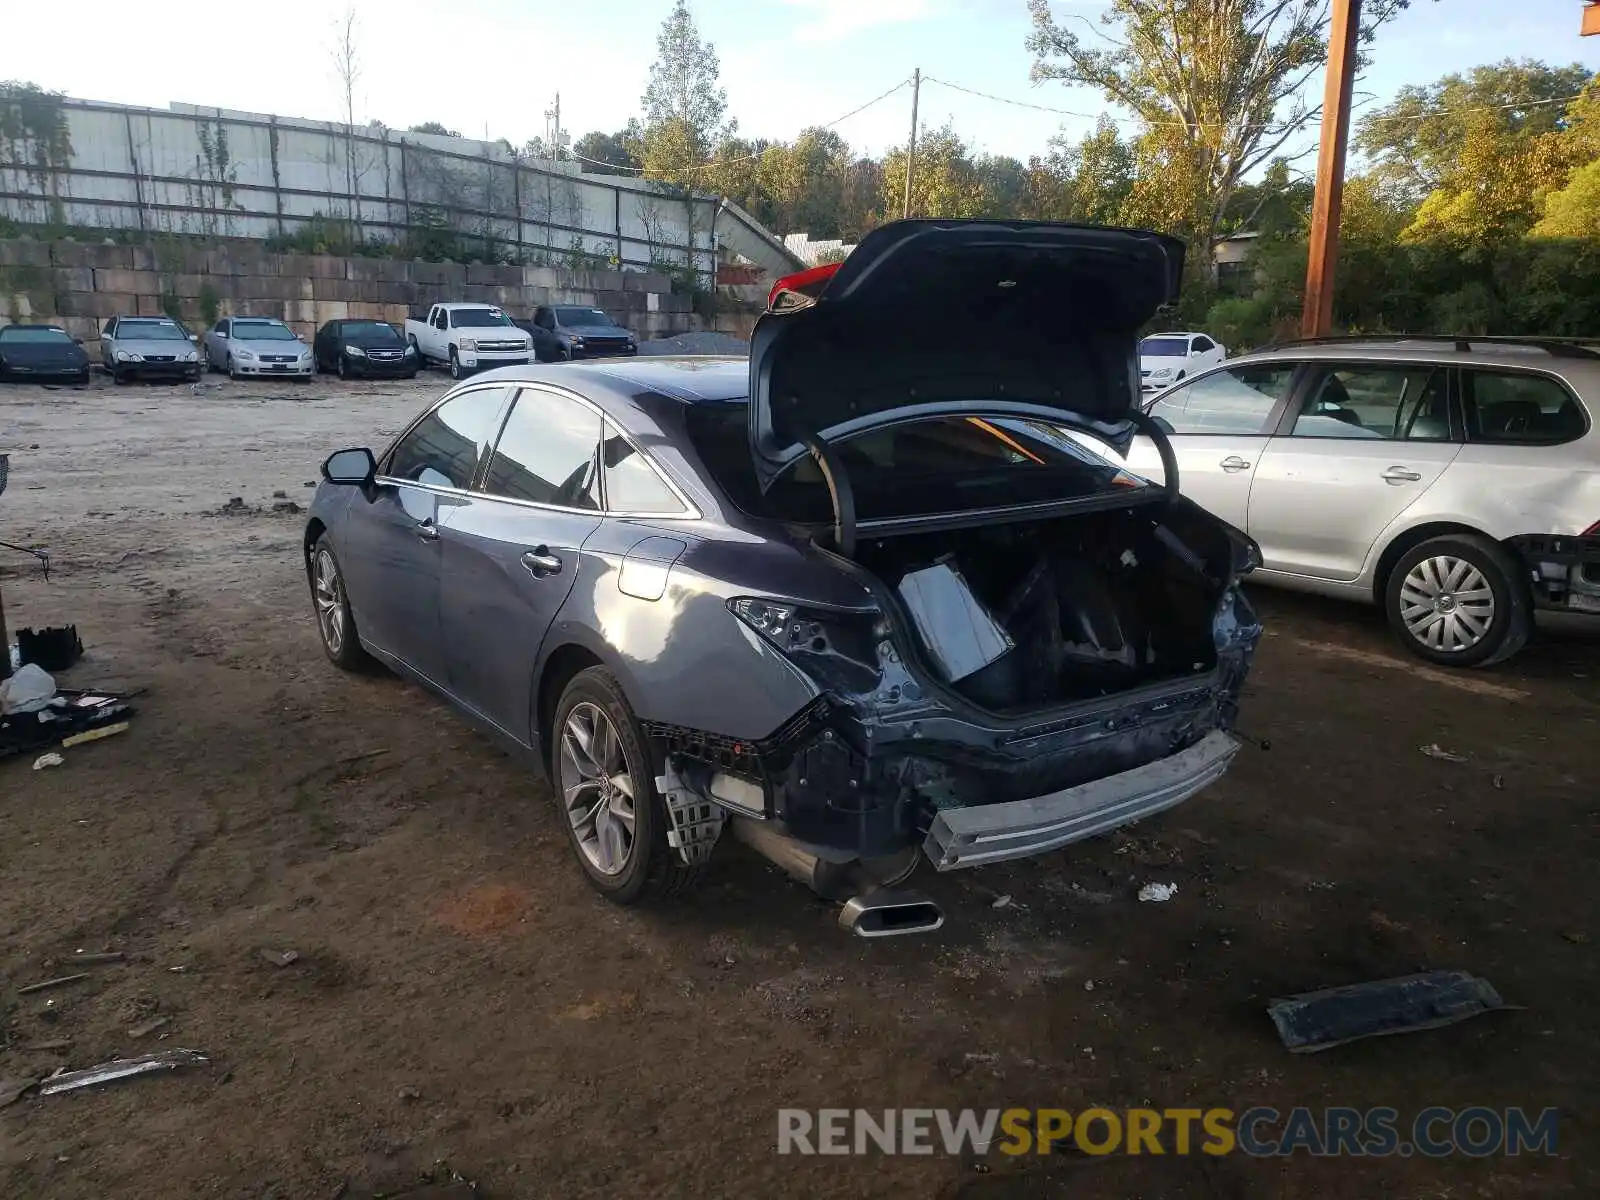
(602, 772)
(335, 624)
(1459, 600)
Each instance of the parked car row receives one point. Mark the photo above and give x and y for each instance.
(463, 338)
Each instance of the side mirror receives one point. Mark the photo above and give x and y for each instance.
(195, 338)
(77, 341)
(356, 467)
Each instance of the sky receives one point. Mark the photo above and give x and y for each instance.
(496, 66)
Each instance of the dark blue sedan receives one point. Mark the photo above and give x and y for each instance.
(858, 600)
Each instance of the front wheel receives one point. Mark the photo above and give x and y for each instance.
(233, 372)
(1459, 600)
(335, 623)
(344, 371)
(456, 371)
(614, 818)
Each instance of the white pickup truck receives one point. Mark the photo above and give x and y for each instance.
(468, 338)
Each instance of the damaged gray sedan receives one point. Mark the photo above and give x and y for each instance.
(857, 601)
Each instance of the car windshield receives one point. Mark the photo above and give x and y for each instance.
(583, 316)
(372, 332)
(151, 331)
(939, 465)
(478, 318)
(1163, 347)
(263, 331)
(37, 337)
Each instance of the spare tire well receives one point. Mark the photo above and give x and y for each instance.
(1395, 550)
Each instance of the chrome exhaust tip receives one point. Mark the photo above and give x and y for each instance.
(885, 913)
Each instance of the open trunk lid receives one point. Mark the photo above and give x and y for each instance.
(1033, 318)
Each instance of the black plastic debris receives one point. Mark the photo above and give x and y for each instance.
(53, 649)
(1320, 1020)
(67, 714)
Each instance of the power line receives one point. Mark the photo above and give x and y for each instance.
(725, 162)
(1317, 120)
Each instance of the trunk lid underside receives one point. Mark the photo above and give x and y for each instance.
(929, 316)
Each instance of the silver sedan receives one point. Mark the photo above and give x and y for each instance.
(257, 346)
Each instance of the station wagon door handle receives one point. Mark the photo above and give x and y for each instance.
(1400, 475)
(1234, 463)
(541, 562)
(428, 531)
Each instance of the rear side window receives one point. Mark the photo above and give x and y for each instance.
(1514, 408)
(444, 448)
(1202, 344)
(546, 453)
(632, 485)
(1408, 403)
(1239, 400)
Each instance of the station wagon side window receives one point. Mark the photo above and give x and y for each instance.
(631, 483)
(1202, 343)
(1513, 408)
(1239, 400)
(546, 453)
(444, 448)
(1407, 402)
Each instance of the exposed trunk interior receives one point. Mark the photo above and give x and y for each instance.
(1018, 617)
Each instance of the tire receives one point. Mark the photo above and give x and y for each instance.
(81, 379)
(455, 365)
(417, 350)
(1460, 601)
(118, 376)
(336, 625)
(211, 365)
(232, 374)
(344, 372)
(411, 375)
(646, 868)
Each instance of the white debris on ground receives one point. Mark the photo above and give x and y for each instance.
(1158, 893)
(1434, 750)
(48, 760)
(705, 342)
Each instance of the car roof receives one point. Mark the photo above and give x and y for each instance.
(1174, 333)
(1465, 352)
(35, 325)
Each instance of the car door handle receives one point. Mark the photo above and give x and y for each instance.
(428, 531)
(541, 562)
(1400, 475)
(1234, 463)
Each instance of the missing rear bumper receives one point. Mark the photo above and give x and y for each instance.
(1564, 571)
(981, 834)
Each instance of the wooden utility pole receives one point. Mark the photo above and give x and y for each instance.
(911, 146)
(1317, 317)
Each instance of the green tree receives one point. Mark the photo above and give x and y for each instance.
(434, 128)
(1417, 140)
(1574, 211)
(1220, 87)
(945, 182)
(683, 105)
(607, 153)
(1098, 174)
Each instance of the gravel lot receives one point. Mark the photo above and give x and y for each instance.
(461, 998)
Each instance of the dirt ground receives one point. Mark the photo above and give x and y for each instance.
(462, 1002)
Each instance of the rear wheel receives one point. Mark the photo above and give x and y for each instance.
(614, 817)
(1459, 600)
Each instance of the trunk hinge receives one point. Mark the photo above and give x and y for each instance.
(1150, 427)
(840, 493)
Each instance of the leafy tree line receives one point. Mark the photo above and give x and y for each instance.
(1472, 206)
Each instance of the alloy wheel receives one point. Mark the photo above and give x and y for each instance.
(328, 590)
(1447, 604)
(597, 788)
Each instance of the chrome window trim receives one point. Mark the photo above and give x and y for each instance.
(690, 512)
